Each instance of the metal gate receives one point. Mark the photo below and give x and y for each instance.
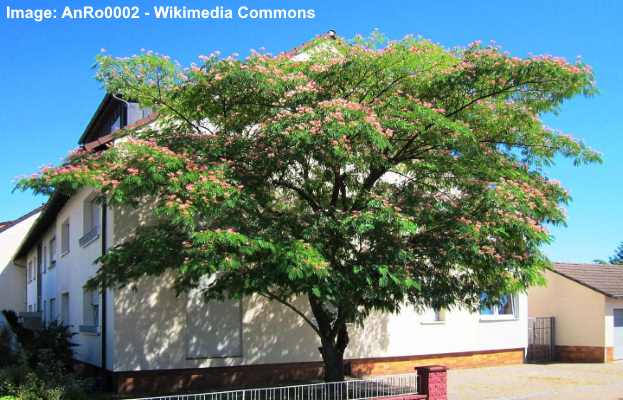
(541, 343)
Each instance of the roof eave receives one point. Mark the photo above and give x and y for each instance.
(41, 224)
(94, 117)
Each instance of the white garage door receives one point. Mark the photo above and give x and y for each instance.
(618, 333)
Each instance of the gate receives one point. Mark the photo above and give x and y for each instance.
(541, 343)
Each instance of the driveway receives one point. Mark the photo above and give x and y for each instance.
(538, 382)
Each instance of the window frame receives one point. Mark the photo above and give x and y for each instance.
(90, 312)
(195, 305)
(495, 310)
(65, 315)
(44, 254)
(52, 250)
(91, 215)
(52, 310)
(65, 237)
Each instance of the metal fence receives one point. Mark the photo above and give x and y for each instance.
(390, 385)
(541, 343)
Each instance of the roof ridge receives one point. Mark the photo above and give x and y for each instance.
(4, 225)
(592, 264)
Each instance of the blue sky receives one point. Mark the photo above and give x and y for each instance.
(49, 94)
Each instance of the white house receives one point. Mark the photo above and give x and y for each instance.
(12, 276)
(147, 339)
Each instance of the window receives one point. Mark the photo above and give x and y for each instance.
(52, 249)
(91, 220)
(91, 215)
(52, 310)
(30, 271)
(91, 316)
(505, 307)
(45, 259)
(116, 123)
(213, 328)
(65, 237)
(65, 308)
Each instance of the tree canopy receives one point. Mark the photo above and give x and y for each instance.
(617, 258)
(362, 176)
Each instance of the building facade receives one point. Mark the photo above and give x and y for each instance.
(13, 277)
(149, 339)
(586, 301)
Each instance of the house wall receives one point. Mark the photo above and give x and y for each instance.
(580, 332)
(611, 304)
(273, 334)
(148, 326)
(69, 275)
(12, 276)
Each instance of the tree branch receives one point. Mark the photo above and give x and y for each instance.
(271, 296)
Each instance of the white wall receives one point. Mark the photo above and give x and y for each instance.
(611, 304)
(69, 275)
(13, 277)
(151, 327)
(151, 332)
(148, 326)
(579, 311)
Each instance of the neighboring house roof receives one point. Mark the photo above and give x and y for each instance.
(8, 224)
(606, 279)
(45, 219)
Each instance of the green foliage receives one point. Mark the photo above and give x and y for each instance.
(6, 348)
(617, 258)
(51, 342)
(365, 177)
(42, 366)
(46, 381)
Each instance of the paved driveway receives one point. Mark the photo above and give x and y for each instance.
(538, 382)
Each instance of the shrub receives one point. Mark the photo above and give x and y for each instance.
(7, 349)
(45, 382)
(42, 368)
(51, 344)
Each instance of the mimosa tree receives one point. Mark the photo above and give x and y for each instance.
(362, 178)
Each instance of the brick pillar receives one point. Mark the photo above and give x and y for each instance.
(432, 381)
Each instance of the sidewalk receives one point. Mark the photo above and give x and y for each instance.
(538, 382)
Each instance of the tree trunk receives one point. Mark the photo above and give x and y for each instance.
(333, 363)
(334, 340)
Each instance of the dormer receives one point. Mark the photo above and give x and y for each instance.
(111, 115)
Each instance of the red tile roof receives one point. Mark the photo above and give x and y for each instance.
(606, 279)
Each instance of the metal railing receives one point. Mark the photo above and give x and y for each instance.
(369, 388)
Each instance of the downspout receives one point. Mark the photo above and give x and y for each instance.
(104, 309)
